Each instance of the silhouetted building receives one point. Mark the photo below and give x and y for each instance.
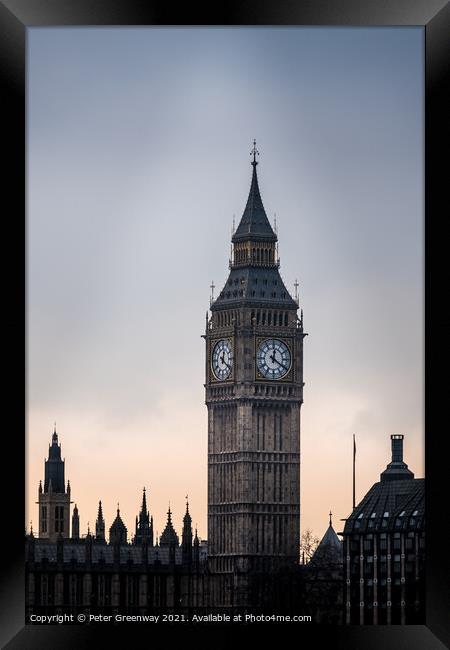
(322, 580)
(69, 574)
(384, 549)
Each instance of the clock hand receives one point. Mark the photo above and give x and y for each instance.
(275, 360)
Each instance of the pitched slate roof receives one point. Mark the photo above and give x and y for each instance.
(254, 223)
(329, 550)
(390, 506)
(255, 285)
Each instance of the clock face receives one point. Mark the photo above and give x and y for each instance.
(273, 359)
(222, 360)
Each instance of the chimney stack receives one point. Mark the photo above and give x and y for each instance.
(397, 448)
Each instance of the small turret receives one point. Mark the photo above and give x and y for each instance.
(100, 525)
(75, 523)
(118, 530)
(144, 524)
(186, 540)
(196, 548)
(169, 536)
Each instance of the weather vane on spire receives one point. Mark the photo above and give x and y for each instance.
(254, 152)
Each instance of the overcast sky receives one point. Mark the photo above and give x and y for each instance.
(138, 157)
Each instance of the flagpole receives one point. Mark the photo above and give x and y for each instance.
(354, 458)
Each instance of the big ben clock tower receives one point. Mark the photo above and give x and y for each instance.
(254, 391)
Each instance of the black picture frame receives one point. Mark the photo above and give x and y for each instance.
(16, 16)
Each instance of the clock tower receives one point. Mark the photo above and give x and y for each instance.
(254, 391)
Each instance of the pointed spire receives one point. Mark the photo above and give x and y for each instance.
(187, 536)
(330, 518)
(329, 549)
(169, 536)
(254, 223)
(54, 467)
(75, 523)
(118, 530)
(144, 503)
(100, 524)
(196, 551)
(187, 515)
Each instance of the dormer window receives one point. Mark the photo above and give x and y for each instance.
(402, 514)
(415, 513)
(373, 515)
(361, 515)
(386, 514)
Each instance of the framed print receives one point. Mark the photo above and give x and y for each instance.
(226, 249)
